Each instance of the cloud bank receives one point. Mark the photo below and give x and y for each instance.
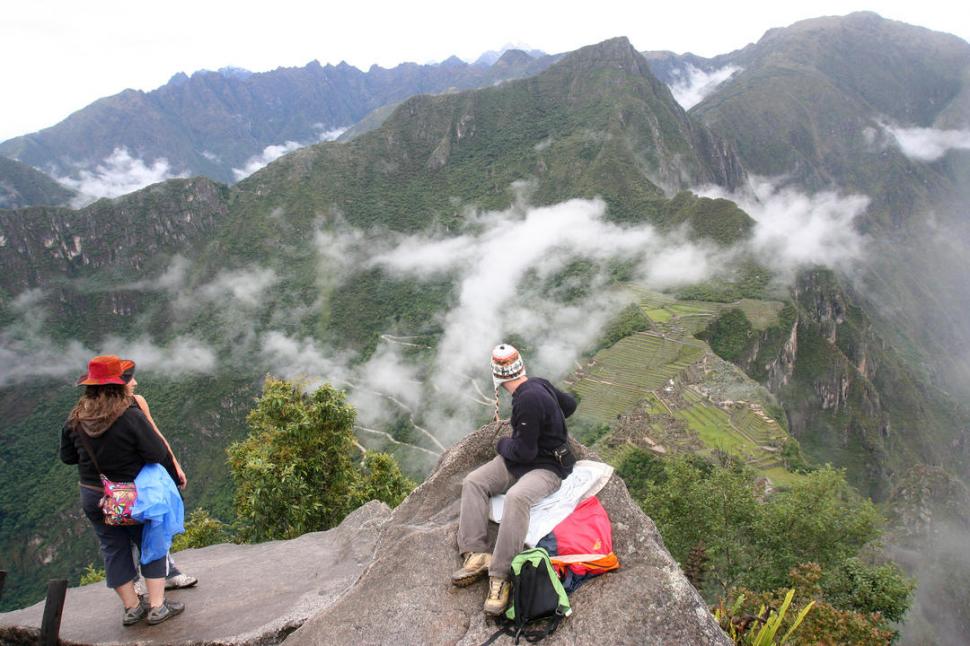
(693, 85)
(118, 174)
(794, 230)
(928, 144)
(27, 353)
(270, 154)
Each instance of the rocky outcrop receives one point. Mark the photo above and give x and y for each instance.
(384, 578)
(247, 594)
(405, 596)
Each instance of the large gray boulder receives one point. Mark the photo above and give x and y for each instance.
(405, 595)
(247, 594)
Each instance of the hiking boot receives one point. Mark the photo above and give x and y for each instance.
(498, 596)
(166, 611)
(133, 615)
(180, 581)
(475, 567)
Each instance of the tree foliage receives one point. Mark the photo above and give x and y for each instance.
(719, 523)
(201, 530)
(729, 334)
(296, 472)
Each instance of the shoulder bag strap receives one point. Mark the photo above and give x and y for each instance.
(87, 447)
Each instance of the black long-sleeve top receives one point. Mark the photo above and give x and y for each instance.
(538, 423)
(122, 450)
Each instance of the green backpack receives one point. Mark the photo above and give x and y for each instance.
(537, 594)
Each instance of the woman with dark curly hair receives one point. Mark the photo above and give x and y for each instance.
(107, 422)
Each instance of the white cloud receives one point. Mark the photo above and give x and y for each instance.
(28, 354)
(794, 229)
(330, 135)
(170, 280)
(243, 285)
(185, 355)
(928, 144)
(493, 263)
(693, 85)
(270, 153)
(211, 156)
(386, 386)
(303, 358)
(118, 174)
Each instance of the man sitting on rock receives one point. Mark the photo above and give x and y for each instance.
(529, 466)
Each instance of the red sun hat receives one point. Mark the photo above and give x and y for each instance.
(107, 369)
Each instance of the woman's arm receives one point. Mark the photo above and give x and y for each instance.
(143, 405)
(68, 450)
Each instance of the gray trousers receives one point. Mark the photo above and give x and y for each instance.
(490, 479)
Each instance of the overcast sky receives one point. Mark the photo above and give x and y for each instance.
(60, 55)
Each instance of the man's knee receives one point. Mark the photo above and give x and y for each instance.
(517, 501)
(470, 481)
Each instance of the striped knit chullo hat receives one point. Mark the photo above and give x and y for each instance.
(507, 365)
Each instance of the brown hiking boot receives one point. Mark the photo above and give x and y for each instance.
(475, 567)
(498, 596)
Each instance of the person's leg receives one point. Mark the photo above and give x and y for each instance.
(119, 566)
(530, 489)
(161, 609)
(476, 489)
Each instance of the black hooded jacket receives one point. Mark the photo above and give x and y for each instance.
(122, 450)
(538, 423)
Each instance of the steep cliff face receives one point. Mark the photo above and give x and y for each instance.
(124, 234)
(849, 397)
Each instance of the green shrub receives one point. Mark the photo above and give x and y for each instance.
(755, 541)
(92, 574)
(382, 480)
(201, 530)
(295, 472)
(869, 588)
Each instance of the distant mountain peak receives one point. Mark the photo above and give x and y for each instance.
(230, 71)
(513, 57)
(493, 56)
(615, 52)
(452, 61)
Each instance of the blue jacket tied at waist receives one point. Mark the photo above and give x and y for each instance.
(159, 507)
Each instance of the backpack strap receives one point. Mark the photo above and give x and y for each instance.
(538, 635)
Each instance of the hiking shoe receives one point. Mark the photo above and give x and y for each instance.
(166, 611)
(498, 596)
(475, 567)
(180, 581)
(133, 615)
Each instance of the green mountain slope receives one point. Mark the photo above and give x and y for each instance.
(21, 185)
(814, 104)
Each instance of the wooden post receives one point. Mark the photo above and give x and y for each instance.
(50, 626)
(3, 578)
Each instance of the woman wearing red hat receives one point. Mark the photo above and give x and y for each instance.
(122, 441)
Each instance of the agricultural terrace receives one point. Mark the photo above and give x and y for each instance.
(647, 368)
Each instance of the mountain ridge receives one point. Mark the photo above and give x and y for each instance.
(210, 123)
